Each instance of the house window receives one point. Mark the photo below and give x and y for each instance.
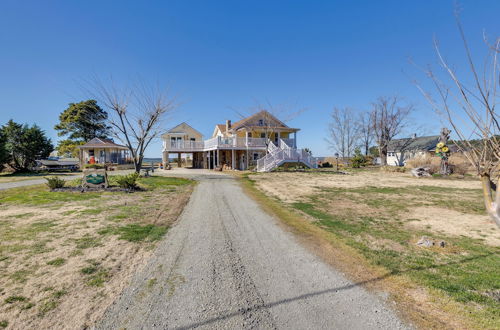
(255, 156)
(193, 139)
(263, 135)
(261, 122)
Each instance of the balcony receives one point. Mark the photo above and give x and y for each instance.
(219, 143)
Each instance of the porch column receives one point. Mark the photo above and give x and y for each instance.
(233, 160)
(295, 139)
(279, 138)
(246, 138)
(213, 159)
(165, 159)
(179, 161)
(218, 157)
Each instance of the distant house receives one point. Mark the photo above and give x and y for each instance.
(103, 151)
(401, 150)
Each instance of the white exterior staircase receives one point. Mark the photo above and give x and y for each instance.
(283, 153)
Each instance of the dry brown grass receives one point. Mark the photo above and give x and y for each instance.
(423, 308)
(63, 263)
(459, 164)
(367, 223)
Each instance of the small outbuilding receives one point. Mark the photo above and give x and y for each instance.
(103, 151)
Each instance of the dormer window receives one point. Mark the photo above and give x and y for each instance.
(261, 122)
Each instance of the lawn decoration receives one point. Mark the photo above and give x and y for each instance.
(95, 178)
(443, 151)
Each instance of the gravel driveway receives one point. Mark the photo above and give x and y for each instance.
(229, 265)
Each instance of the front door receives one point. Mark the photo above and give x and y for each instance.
(242, 162)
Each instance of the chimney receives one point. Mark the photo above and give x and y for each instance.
(228, 125)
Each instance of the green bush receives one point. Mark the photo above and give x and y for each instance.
(358, 160)
(54, 182)
(128, 181)
(96, 166)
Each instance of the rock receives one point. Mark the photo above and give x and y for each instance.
(425, 242)
(420, 172)
(428, 242)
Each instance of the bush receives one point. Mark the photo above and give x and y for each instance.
(55, 182)
(95, 166)
(128, 181)
(326, 165)
(358, 160)
(398, 169)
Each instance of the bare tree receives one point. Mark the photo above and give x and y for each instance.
(365, 131)
(389, 117)
(343, 132)
(136, 115)
(469, 104)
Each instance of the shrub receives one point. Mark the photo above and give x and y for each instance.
(95, 166)
(54, 182)
(326, 165)
(359, 159)
(398, 169)
(128, 181)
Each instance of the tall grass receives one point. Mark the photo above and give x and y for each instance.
(459, 164)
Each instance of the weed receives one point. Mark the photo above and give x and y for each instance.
(89, 270)
(14, 299)
(47, 306)
(87, 241)
(4, 324)
(56, 262)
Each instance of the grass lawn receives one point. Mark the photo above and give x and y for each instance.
(381, 216)
(65, 249)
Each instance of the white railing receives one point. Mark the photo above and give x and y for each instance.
(211, 143)
(289, 142)
(256, 142)
(184, 145)
(216, 142)
(284, 153)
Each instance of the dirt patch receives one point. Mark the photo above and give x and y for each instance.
(454, 223)
(61, 265)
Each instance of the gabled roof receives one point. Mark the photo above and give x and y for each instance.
(183, 123)
(424, 143)
(221, 128)
(102, 143)
(263, 114)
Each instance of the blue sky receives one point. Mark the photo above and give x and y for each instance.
(220, 55)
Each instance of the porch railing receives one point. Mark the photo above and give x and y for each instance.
(220, 142)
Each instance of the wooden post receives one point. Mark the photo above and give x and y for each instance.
(179, 161)
(233, 160)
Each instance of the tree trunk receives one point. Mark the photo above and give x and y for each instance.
(383, 156)
(492, 204)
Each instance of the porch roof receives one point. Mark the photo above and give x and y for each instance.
(98, 143)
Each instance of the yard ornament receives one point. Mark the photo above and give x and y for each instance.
(443, 151)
